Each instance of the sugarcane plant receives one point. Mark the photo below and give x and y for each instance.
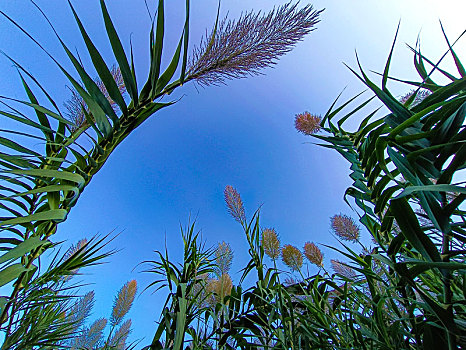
(205, 309)
(405, 290)
(93, 337)
(186, 283)
(48, 310)
(40, 184)
(408, 185)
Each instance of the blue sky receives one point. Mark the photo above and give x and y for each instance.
(177, 164)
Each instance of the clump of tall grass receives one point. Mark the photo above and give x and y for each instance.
(41, 184)
(93, 337)
(405, 290)
(406, 167)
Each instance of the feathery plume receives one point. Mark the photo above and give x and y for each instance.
(420, 96)
(70, 252)
(271, 243)
(313, 254)
(223, 258)
(219, 288)
(234, 204)
(342, 269)
(118, 341)
(74, 248)
(95, 331)
(80, 310)
(345, 227)
(77, 108)
(292, 257)
(116, 74)
(90, 336)
(307, 123)
(123, 302)
(198, 290)
(240, 48)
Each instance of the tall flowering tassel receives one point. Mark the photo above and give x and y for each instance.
(116, 74)
(313, 254)
(292, 257)
(90, 336)
(307, 123)
(234, 204)
(420, 96)
(123, 302)
(209, 290)
(95, 332)
(198, 291)
(77, 108)
(118, 341)
(74, 248)
(224, 258)
(270, 243)
(239, 48)
(70, 252)
(219, 288)
(343, 269)
(80, 310)
(345, 227)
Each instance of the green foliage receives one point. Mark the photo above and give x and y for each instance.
(89, 338)
(406, 292)
(46, 311)
(40, 186)
(186, 283)
(406, 170)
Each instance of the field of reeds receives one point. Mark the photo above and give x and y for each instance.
(403, 289)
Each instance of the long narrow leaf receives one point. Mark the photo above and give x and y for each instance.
(101, 68)
(119, 52)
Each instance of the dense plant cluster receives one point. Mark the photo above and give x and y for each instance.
(40, 184)
(404, 290)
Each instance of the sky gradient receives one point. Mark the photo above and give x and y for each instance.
(176, 165)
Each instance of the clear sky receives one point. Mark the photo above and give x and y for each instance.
(177, 164)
